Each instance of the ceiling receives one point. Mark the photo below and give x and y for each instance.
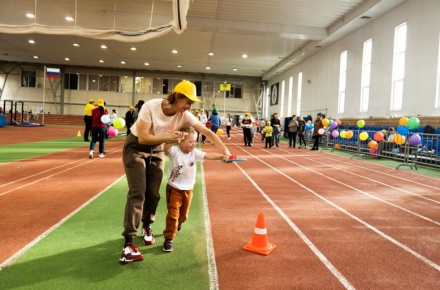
(274, 34)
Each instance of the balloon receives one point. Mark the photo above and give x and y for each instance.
(403, 121)
(361, 123)
(325, 122)
(219, 132)
(349, 134)
(119, 123)
(413, 123)
(402, 130)
(335, 134)
(339, 122)
(415, 140)
(373, 144)
(378, 136)
(333, 125)
(363, 136)
(112, 131)
(399, 139)
(321, 131)
(330, 121)
(105, 119)
(343, 134)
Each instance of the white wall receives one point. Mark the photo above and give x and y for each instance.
(322, 69)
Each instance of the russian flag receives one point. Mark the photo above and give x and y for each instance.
(53, 73)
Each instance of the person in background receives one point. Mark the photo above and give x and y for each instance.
(229, 122)
(203, 120)
(113, 116)
(196, 114)
(181, 179)
(293, 131)
(88, 119)
(276, 125)
(144, 160)
(267, 131)
(129, 119)
(301, 132)
(99, 129)
(137, 109)
(246, 124)
(317, 125)
(215, 120)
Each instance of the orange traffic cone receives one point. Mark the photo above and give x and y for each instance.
(259, 243)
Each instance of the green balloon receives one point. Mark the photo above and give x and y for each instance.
(413, 123)
(361, 123)
(119, 123)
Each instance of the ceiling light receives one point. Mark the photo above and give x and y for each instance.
(122, 62)
(103, 46)
(31, 41)
(76, 44)
(211, 53)
(30, 15)
(208, 67)
(133, 48)
(244, 56)
(101, 61)
(174, 51)
(179, 66)
(35, 56)
(69, 18)
(234, 69)
(146, 63)
(66, 58)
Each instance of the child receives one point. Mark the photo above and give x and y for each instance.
(267, 131)
(181, 179)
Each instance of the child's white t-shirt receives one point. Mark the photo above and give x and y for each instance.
(151, 112)
(182, 167)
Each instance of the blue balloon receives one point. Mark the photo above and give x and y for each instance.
(402, 130)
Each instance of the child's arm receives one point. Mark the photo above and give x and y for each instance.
(216, 156)
(167, 148)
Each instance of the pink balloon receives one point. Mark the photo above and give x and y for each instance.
(321, 131)
(112, 131)
(335, 134)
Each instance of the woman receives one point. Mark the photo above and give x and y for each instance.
(228, 123)
(317, 125)
(99, 129)
(293, 130)
(144, 160)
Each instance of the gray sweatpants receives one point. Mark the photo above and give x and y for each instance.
(144, 165)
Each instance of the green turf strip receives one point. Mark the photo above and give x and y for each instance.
(83, 252)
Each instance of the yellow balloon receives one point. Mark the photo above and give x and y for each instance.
(403, 121)
(343, 134)
(325, 122)
(363, 136)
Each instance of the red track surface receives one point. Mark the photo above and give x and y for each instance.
(337, 223)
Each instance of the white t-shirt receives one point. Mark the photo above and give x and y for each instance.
(151, 112)
(182, 167)
(203, 118)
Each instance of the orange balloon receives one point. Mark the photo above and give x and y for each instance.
(403, 121)
(349, 134)
(339, 122)
(373, 144)
(325, 122)
(399, 139)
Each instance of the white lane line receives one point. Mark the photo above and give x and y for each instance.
(212, 267)
(306, 240)
(48, 176)
(382, 234)
(360, 191)
(11, 259)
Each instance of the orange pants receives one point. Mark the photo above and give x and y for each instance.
(178, 203)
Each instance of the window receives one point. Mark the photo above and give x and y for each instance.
(235, 91)
(398, 74)
(437, 89)
(28, 79)
(71, 81)
(283, 86)
(342, 82)
(299, 96)
(366, 73)
(289, 102)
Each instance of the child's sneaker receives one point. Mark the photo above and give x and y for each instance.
(101, 155)
(91, 154)
(168, 245)
(131, 253)
(147, 236)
